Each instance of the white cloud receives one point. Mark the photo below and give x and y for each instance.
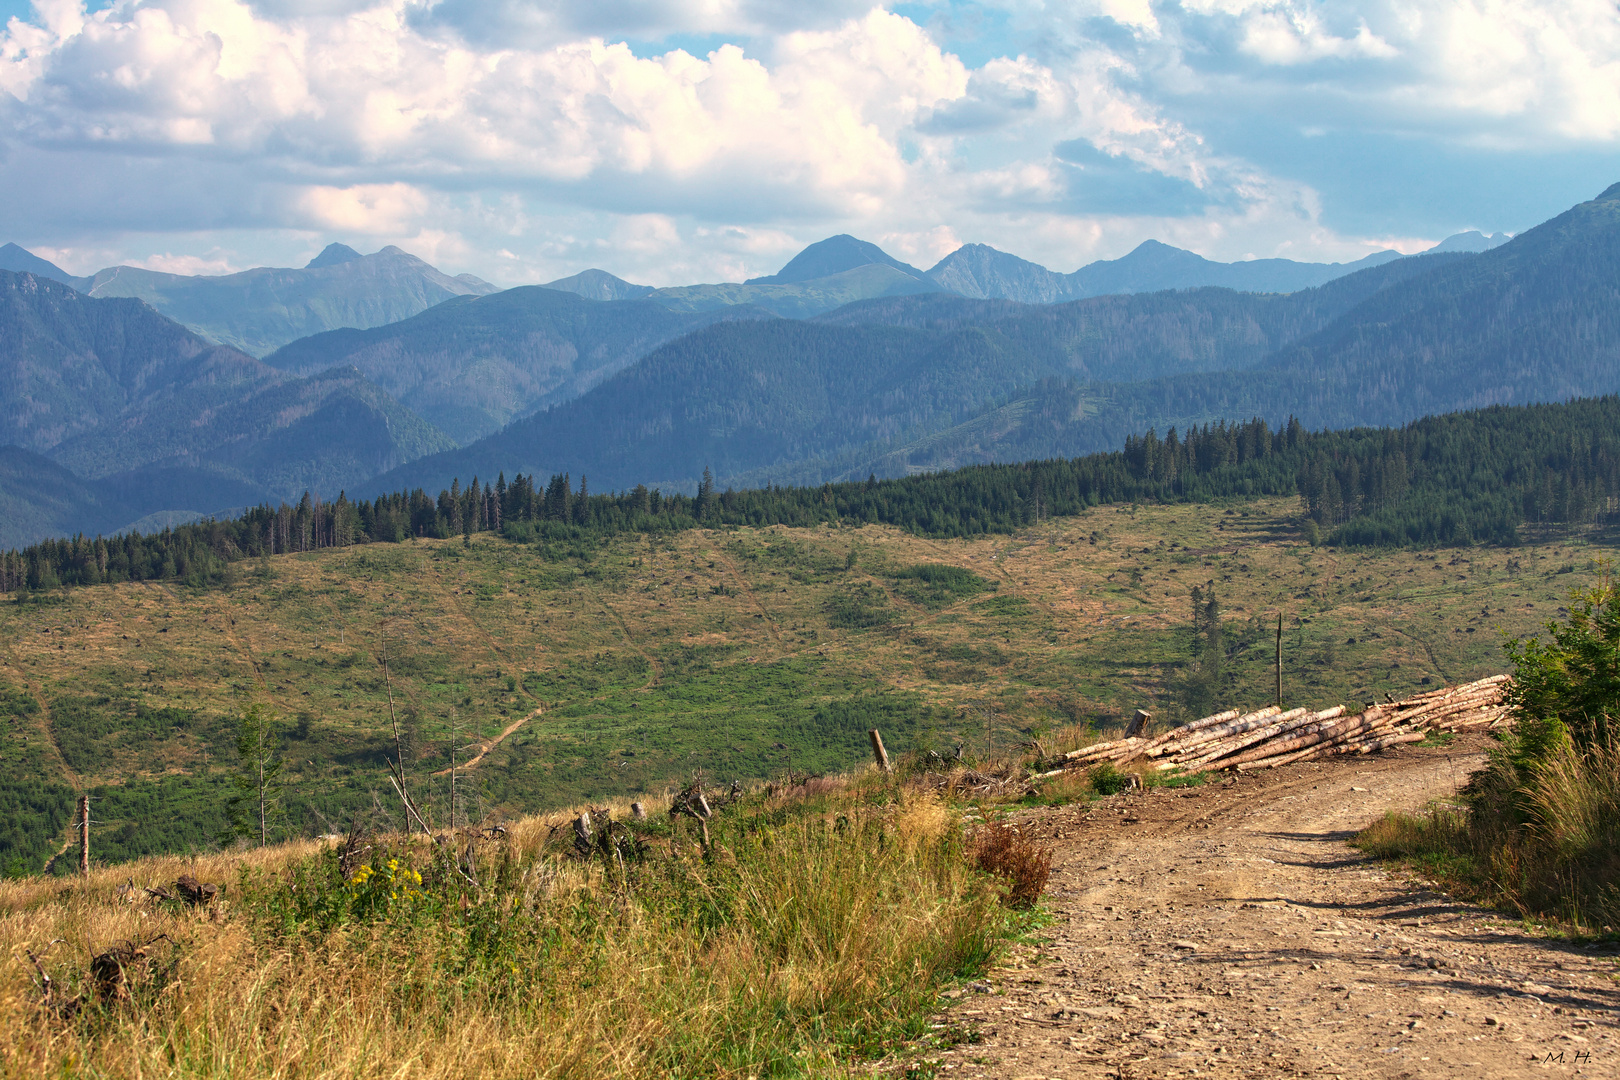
(1458, 68)
(532, 127)
(373, 209)
(212, 264)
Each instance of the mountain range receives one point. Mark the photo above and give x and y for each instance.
(118, 414)
(775, 400)
(473, 364)
(150, 418)
(930, 380)
(259, 310)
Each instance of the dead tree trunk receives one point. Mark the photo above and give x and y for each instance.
(84, 836)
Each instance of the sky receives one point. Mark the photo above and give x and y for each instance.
(681, 141)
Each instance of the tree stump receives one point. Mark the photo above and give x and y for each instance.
(1139, 723)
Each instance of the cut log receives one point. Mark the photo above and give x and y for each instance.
(1333, 733)
(1246, 722)
(1297, 725)
(1187, 729)
(1390, 740)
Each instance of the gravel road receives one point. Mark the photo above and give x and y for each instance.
(1229, 930)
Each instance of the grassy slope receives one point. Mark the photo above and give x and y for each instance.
(709, 650)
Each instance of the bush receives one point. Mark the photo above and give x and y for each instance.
(1542, 829)
(1013, 857)
(1107, 780)
(936, 585)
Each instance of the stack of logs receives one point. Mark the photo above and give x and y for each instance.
(1272, 737)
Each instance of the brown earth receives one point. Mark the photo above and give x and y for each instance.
(1230, 930)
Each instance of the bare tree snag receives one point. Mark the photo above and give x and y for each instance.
(84, 836)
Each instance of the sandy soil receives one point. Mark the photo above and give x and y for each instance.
(1230, 931)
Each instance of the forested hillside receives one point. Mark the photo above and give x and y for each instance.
(1536, 319)
(473, 364)
(69, 363)
(761, 399)
(1466, 478)
(140, 416)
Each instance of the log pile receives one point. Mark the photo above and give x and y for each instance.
(1270, 737)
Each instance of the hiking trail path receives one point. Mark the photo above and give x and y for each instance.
(1231, 931)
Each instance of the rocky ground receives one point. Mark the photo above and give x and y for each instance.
(1230, 930)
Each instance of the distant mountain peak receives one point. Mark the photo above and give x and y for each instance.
(596, 284)
(22, 261)
(332, 255)
(1610, 194)
(1156, 252)
(834, 255)
(1473, 240)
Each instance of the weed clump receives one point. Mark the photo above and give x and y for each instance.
(1015, 859)
(1107, 780)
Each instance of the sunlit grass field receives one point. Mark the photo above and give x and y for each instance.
(584, 674)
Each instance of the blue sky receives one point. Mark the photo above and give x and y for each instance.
(673, 141)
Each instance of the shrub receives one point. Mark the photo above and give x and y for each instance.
(936, 585)
(1013, 857)
(1107, 780)
(1542, 830)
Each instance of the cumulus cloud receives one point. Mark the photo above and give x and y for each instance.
(558, 133)
(1526, 71)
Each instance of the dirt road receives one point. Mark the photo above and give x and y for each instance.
(1230, 931)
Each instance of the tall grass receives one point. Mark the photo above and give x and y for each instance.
(1542, 828)
(811, 931)
(1542, 839)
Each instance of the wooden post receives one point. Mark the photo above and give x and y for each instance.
(1279, 660)
(84, 836)
(638, 811)
(1139, 723)
(878, 753)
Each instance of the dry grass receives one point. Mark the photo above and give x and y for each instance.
(809, 940)
(1548, 848)
(1022, 866)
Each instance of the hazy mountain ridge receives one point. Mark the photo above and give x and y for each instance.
(472, 365)
(259, 310)
(982, 272)
(1535, 319)
(145, 416)
(69, 363)
(835, 255)
(842, 270)
(599, 285)
(765, 398)
(22, 261)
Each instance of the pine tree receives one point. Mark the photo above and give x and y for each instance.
(256, 807)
